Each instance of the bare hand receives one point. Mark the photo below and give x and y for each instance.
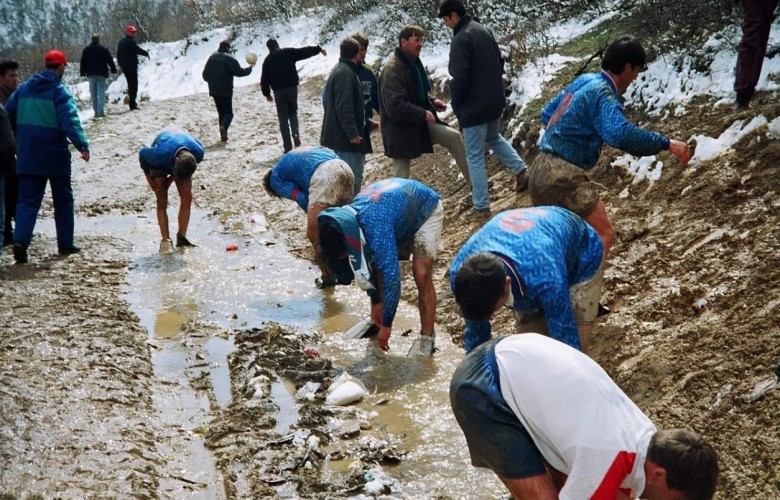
(680, 150)
(85, 155)
(269, 98)
(439, 105)
(384, 338)
(323, 52)
(356, 140)
(430, 118)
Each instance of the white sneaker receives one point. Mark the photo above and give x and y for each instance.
(424, 345)
(166, 247)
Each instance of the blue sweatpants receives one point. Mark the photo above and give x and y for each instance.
(31, 190)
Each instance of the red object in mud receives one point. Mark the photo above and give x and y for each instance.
(312, 351)
(232, 247)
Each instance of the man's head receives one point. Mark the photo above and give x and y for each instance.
(267, 184)
(481, 286)
(624, 59)
(410, 39)
(131, 30)
(95, 38)
(55, 60)
(450, 11)
(9, 74)
(272, 44)
(680, 464)
(334, 253)
(362, 39)
(184, 165)
(224, 46)
(349, 49)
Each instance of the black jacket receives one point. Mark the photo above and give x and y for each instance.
(344, 109)
(7, 144)
(476, 67)
(219, 72)
(127, 52)
(279, 70)
(96, 60)
(404, 129)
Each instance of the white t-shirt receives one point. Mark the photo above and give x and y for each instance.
(580, 420)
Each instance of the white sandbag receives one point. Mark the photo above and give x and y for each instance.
(345, 389)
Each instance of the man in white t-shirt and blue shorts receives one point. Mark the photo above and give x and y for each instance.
(551, 424)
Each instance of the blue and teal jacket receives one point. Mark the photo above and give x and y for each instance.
(546, 250)
(45, 117)
(291, 176)
(588, 114)
(162, 153)
(390, 212)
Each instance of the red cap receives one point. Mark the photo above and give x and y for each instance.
(55, 57)
(131, 30)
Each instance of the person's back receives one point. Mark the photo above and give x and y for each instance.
(162, 152)
(293, 172)
(279, 69)
(96, 60)
(219, 71)
(126, 52)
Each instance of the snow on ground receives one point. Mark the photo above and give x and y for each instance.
(708, 148)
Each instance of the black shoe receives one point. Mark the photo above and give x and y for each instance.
(521, 181)
(603, 310)
(741, 103)
(323, 283)
(20, 253)
(68, 250)
(296, 141)
(182, 241)
(223, 134)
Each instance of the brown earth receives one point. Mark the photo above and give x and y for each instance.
(692, 282)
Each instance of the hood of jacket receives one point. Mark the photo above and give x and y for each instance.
(44, 80)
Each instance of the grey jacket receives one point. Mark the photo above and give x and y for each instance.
(344, 109)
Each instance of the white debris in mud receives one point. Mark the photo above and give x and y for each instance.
(309, 391)
(345, 389)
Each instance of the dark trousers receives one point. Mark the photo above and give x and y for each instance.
(31, 189)
(224, 109)
(287, 110)
(756, 21)
(11, 196)
(132, 85)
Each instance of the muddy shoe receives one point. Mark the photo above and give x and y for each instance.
(478, 214)
(223, 134)
(68, 250)
(425, 345)
(182, 241)
(297, 141)
(521, 181)
(166, 247)
(20, 253)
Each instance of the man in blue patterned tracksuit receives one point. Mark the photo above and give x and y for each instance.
(364, 241)
(545, 263)
(45, 117)
(173, 157)
(315, 178)
(580, 120)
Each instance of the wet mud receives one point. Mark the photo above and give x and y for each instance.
(692, 282)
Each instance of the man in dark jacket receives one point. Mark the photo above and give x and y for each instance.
(408, 118)
(281, 76)
(9, 82)
(219, 72)
(477, 89)
(7, 162)
(127, 53)
(46, 118)
(344, 120)
(95, 63)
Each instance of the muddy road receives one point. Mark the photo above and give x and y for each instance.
(123, 373)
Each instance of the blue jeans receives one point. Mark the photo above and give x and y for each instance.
(355, 161)
(475, 139)
(97, 90)
(31, 189)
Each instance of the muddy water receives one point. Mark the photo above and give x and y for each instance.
(260, 282)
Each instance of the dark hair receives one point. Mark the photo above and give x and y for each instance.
(690, 462)
(184, 165)
(7, 65)
(331, 242)
(349, 48)
(95, 37)
(447, 7)
(361, 38)
(479, 284)
(224, 46)
(625, 50)
(272, 44)
(409, 31)
(267, 183)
